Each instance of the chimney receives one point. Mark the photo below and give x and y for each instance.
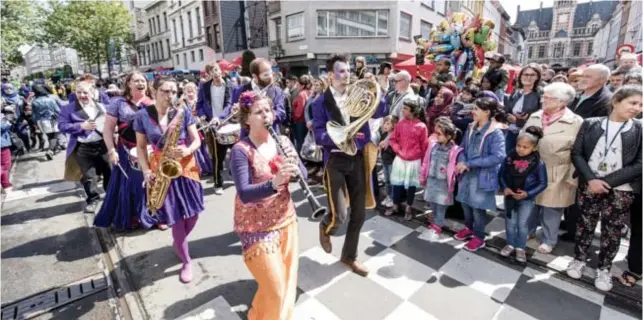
(541, 5)
(517, 11)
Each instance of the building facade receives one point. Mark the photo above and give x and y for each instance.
(37, 59)
(304, 34)
(153, 48)
(563, 35)
(61, 56)
(188, 38)
(633, 33)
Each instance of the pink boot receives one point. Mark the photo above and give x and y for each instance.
(186, 273)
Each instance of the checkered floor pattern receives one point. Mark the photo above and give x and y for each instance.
(413, 278)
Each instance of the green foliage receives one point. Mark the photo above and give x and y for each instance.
(20, 22)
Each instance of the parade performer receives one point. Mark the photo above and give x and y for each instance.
(124, 204)
(344, 172)
(86, 151)
(182, 202)
(264, 213)
(263, 83)
(212, 103)
(202, 155)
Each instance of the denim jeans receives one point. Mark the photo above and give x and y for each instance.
(549, 220)
(439, 212)
(387, 179)
(475, 219)
(517, 226)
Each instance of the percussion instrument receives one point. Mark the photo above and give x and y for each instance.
(228, 134)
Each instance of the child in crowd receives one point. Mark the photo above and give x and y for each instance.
(409, 140)
(462, 108)
(484, 151)
(522, 177)
(438, 172)
(387, 155)
(441, 107)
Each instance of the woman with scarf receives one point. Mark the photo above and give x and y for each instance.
(441, 107)
(124, 204)
(202, 155)
(45, 112)
(522, 102)
(560, 126)
(264, 213)
(184, 200)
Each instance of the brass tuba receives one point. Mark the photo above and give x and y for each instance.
(167, 170)
(362, 101)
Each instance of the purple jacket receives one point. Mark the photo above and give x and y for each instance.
(104, 98)
(277, 96)
(204, 101)
(325, 109)
(71, 117)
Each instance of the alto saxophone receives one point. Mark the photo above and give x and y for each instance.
(168, 169)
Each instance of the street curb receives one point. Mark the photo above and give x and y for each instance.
(584, 282)
(120, 273)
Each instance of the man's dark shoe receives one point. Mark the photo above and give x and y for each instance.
(356, 267)
(324, 240)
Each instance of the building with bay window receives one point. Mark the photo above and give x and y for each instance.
(304, 34)
(188, 41)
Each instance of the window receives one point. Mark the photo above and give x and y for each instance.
(425, 29)
(177, 60)
(176, 40)
(182, 30)
(165, 20)
(205, 9)
(278, 29)
(208, 36)
(440, 7)
(405, 25)
(295, 26)
(199, 29)
(190, 24)
(559, 50)
(530, 53)
(169, 52)
(158, 23)
(541, 51)
(161, 50)
(217, 45)
(149, 22)
(185, 59)
(362, 23)
(590, 48)
(192, 56)
(576, 49)
(200, 54)
(428, 3)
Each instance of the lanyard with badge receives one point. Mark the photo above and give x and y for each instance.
(602, 166)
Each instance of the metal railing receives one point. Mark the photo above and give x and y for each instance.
(583, 32)
(539, 34)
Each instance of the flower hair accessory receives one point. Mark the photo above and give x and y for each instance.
(247, 99)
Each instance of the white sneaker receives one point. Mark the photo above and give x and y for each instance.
(575, 269)
(388, 202)
(603, 280)
(506, 251)
(218, 191)
(545, 248)
(433, 236)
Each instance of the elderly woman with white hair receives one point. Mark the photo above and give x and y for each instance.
(560, 126)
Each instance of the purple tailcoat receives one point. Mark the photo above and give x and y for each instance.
(71, 117)
(204, 101)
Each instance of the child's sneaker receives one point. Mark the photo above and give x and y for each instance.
(603, 280)
(506, 251)
(521, 255)
(474, 244)
(463, 234)
(388, 202)
(575, 269)
(434, 232)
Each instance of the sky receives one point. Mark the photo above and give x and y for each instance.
(512, 5)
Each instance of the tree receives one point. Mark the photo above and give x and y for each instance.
(20, 22)
(88, 26)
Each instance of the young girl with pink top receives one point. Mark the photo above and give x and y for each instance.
(409, 140)
(438, 172)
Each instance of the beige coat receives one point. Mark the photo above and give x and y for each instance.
(555, 150)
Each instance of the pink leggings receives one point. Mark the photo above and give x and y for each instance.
(5, 165)
(180, 231)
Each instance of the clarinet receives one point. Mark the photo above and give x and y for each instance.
(318, 209)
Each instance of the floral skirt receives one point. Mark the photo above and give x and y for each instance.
(405, 173)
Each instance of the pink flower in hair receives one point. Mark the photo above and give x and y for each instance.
(247, 99)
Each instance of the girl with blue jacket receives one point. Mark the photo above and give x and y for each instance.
(522, 177)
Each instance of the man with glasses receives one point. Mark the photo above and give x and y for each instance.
(403, 91)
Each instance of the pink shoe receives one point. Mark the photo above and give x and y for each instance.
(186, 273)
(463, 234)
(474, 244)
(435, 228)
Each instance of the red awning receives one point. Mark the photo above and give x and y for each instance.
(401, 57)
(237, 61)
(410, 66)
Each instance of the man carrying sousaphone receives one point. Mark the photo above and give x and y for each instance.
(342, 112)
(213, 104)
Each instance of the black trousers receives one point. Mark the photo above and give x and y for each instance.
(343, 174)
(93, 161)
(634, 252)
(218, 152)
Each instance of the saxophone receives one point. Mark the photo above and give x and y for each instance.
(167, 170)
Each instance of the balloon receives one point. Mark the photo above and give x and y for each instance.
(489, 45)
(444, 26)
(440, 38)
(458, 21)
(455, 40)
(442, 48)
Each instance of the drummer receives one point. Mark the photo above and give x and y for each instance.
(124, 204)
(202, 155)
(213, 100)
(86, 151)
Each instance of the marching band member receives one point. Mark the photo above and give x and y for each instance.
(202, 155)
(262, 80)
(86, 151)
(213, 100)
(343, 172)
(124, 204)
(264, 213)
(184, 201)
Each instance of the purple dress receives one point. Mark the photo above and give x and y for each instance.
(124, 201)
(185, 196)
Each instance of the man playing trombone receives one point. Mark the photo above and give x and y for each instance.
(213, 105)
(340, 122)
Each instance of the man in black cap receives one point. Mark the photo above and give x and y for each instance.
(496, 75)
